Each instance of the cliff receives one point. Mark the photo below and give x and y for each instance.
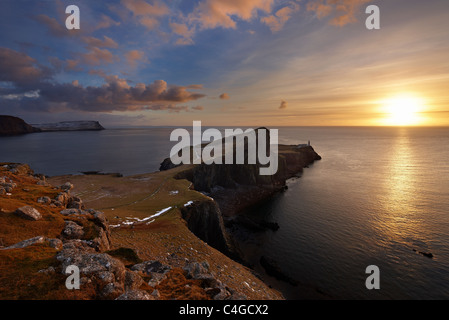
(237, 187)
(70, 126)
(10, 125)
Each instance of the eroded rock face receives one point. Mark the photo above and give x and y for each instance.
(205, 220)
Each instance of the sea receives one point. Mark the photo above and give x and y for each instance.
(379, 197)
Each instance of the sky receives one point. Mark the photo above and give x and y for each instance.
(226, 62)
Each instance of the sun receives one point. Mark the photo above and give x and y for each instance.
(403, 110)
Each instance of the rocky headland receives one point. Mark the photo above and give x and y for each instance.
(11, 126)
(160, 235)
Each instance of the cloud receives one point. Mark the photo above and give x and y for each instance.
(211, 14)
(54, 27)
(198, 108)
(342, 11)
(195, 86)
(98, 56)
(106, 22)
(277, 21)
(95, 42)
(133, 56)
(183, 30)
(224, 96)
(23, 75)
(283, 105)
(148, 14)
(20, 69)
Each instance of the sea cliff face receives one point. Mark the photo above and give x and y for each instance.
(10, 126)
(237, 187)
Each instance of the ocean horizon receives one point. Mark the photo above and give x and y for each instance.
(377, 197)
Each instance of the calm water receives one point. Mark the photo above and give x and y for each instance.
(377, 194)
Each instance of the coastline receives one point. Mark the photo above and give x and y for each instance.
(160, 216)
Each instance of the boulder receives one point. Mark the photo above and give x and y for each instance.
(135, 295)
(72, 230)
(54, 243)
(66, 187)
(45, 200)
(29, 213)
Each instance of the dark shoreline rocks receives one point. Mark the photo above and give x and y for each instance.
(11, 126)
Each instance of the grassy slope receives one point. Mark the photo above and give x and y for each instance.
(167, 239)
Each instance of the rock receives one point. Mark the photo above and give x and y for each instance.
(156, 294)
(106, 272)
(111, 291)
(75, 203)
(10, 126)
(149, 267)
(72, 230)
(29, 213)
(135, 295)
(132, 280)
(54, 243)
(72, 211)
(26, 243)
(66, 187)
(213, 287)
(156, 279)
(155, 269)
(48, 270)
(63, 198)
(45, 200)
(167, 164)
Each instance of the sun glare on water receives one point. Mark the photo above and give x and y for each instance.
(403, 111)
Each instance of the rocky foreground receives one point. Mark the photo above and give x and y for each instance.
(153, 236)
(45, 229)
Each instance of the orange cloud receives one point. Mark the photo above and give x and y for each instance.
(149, 14)
(343, 11)
(222, 13)
(277, 21)
(224, 96)
(133, 56)
(95, 42)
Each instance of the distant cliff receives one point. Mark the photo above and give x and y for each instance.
(10, 126)
(70, 126)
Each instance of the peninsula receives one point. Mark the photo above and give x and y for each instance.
(10, 126)
(159, 235)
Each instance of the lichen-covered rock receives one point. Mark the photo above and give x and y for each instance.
(54, 243)
(72, 230)
(132, 280)
(29, 213)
